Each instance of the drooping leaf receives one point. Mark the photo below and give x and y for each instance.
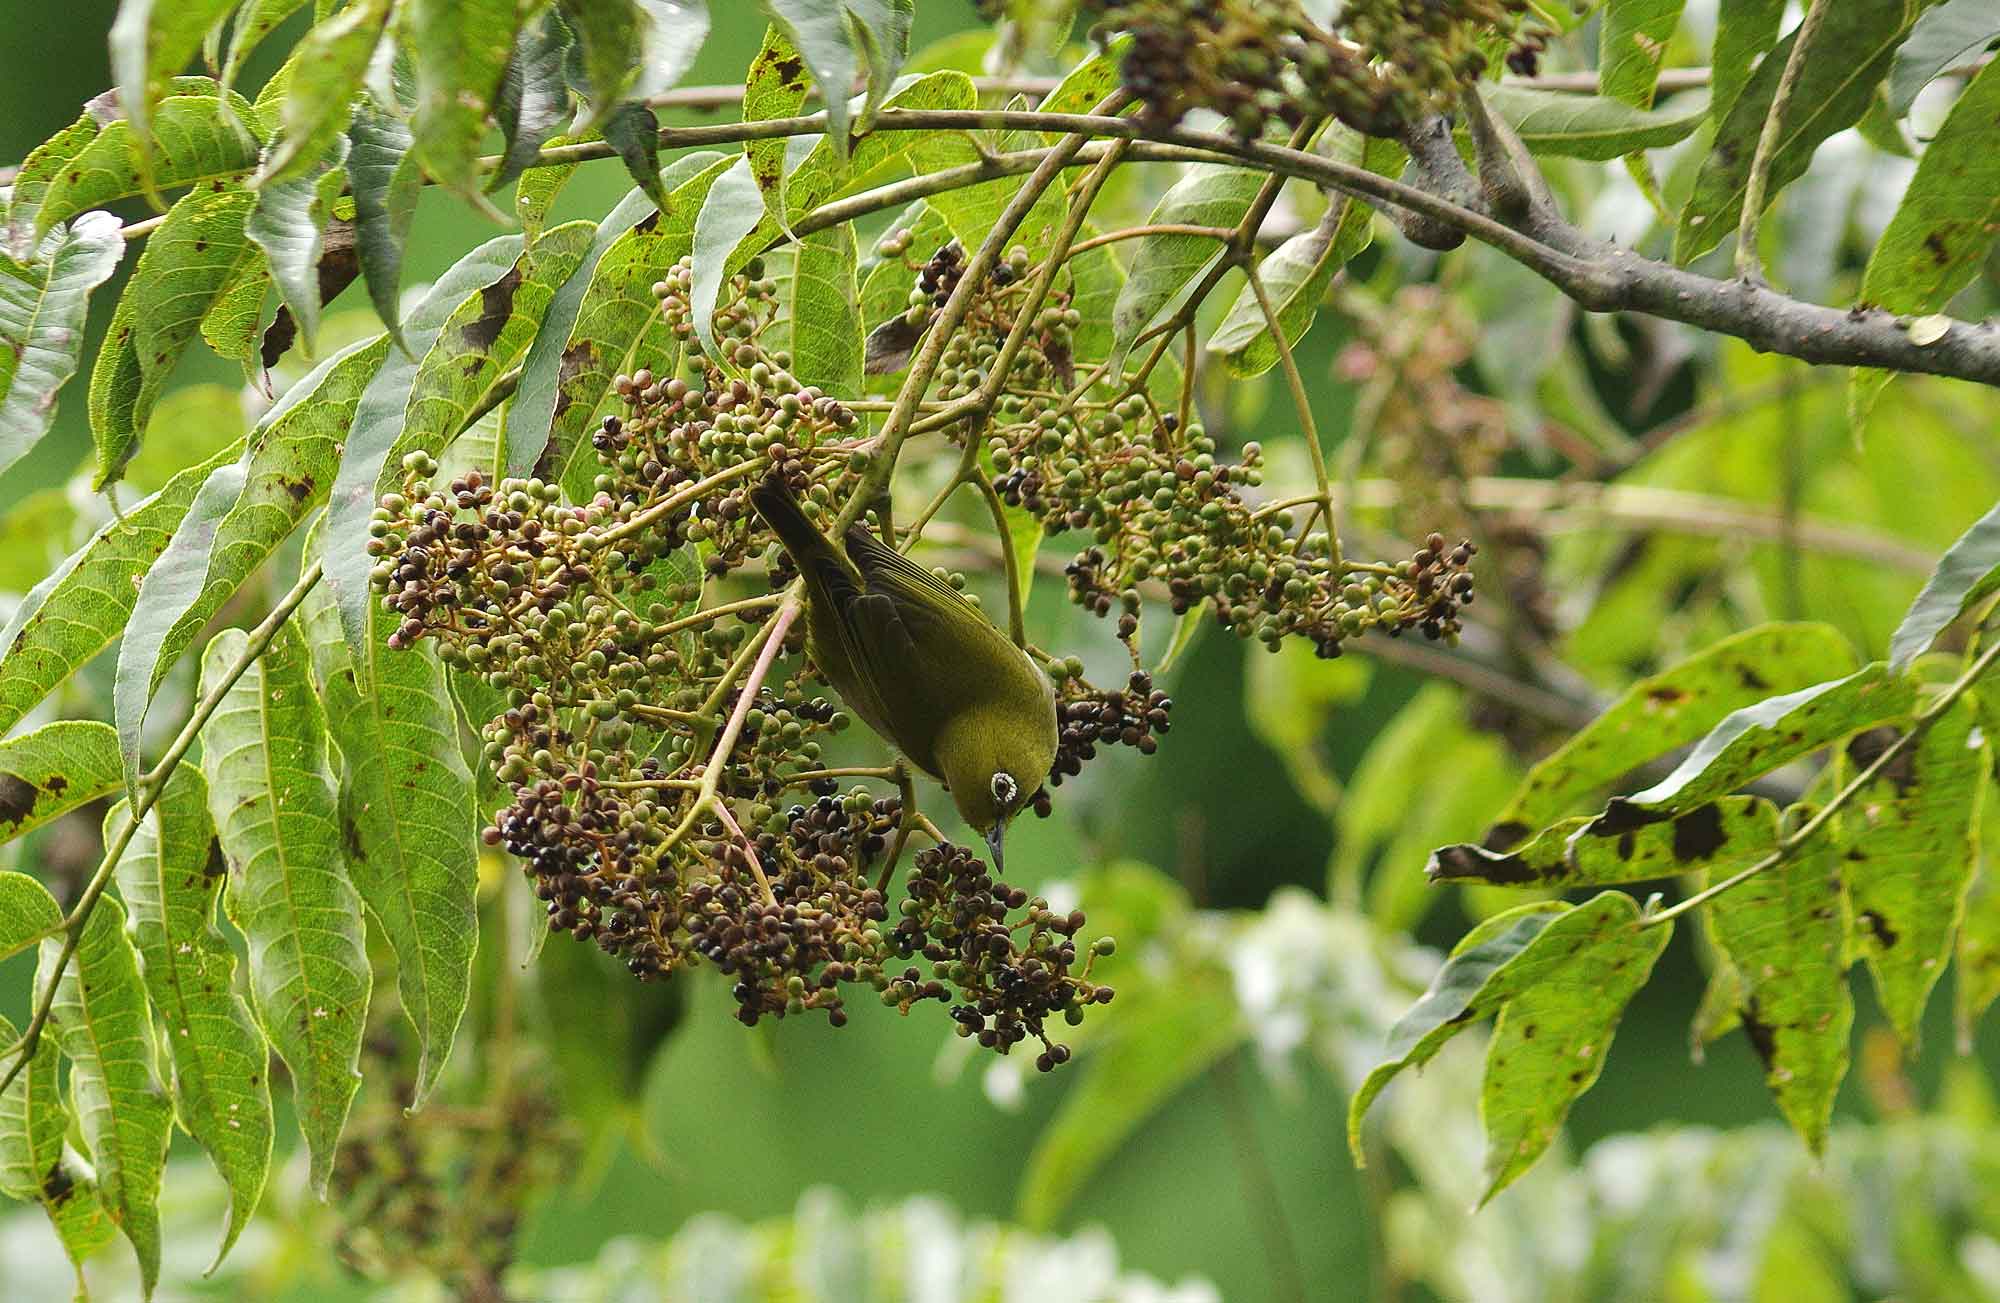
(27, 914)
(840, 40)
(185, 266)
(1946, 223)
(406, 816)
(460, 49)
(1553, 1036)
(197, 137)
(1908, 847)
(242, 513)
(1164, 266)
(674, 31)
(289, 892)
(1490, 964)
(75, 612)
(53, 770)
(43, 166)
(608, 36)
(254, 21)
(381, 415)
(1718, 838)
(1966, 574)
(1168, 1038)
(1632, 40)
(775, 87)
(634, 131)
(1850, 55)
(289, 225)
(169, 878)
(234, 324)
(1669, 710)
(151, 41)
(1745, 30)
(825, 313)
(1946, 36)
(43, 306)
(100, 1022)
(1295, 276)
(1753, 741)
(1976, 982)
(386, 183)
(534, 98)
(35, 1165)
(1783, 932)
(1589, 126)
(598, 321)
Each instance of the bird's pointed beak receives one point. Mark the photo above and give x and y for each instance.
(993, 840)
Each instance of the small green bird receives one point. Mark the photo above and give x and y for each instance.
(922, 666)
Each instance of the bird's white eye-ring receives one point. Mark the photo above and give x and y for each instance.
(1005, 789)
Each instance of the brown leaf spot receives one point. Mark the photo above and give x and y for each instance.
(1698, 834)
(496, 305)
(1878, 927)
(1762, 1038)
(1666, 696)
(17, 800)
(57, 1185)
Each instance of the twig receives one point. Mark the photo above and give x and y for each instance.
(1749, 263)
(150, 786)
(1010, 565)
(1789, 845)
(906, 786)
(1308, 430)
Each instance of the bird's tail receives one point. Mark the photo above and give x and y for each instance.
(775, 502)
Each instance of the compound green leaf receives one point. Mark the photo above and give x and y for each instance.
(254, 21)
(186, 265)
(1848, 59)
(1908, 846)
(243, 511)
(1745, 30)
(534, 97)
(386, 183)
(152, 40)
(406, 816)
(53, 770)
(75, 612)
(840, 40)
(1590, 126)
(461, 49)
(35, 1165)
(1946, 36)
(1164, 266)
(1632, 41)
(1723, 835)
(1753, 741)
(382, 421)
(102, 1025)
(1554, 1034)
(43, 306)
(1977, 983)
(825, 313)
(1784, 933)
(289, 225)
(1967, 573)
(169, 878)
(289, 892)
(1668, 710)
(1295, 276)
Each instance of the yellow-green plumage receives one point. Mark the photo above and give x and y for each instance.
(922, 666)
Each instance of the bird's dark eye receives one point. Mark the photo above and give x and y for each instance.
(1005, 789)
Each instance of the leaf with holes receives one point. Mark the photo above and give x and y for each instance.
(1908, 845)
(35, 1165)
(53, 770)
(289, 893)
(289, 225)
(198, 137)
(43, 307)
(84, 603)
(186, 265)
(1717, 838)
(1553, 1036)
(1849, 57)
(1784, 933)
(1667, 710)
(1753, 741)
(382, 425)
(169, 878)
(406, 817)
(1946, 36)
(244, 510)
(1164, 266)
(100, 1022)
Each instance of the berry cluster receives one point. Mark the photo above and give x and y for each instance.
(1007, 985)
(1088, 717)
(1383, 63)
